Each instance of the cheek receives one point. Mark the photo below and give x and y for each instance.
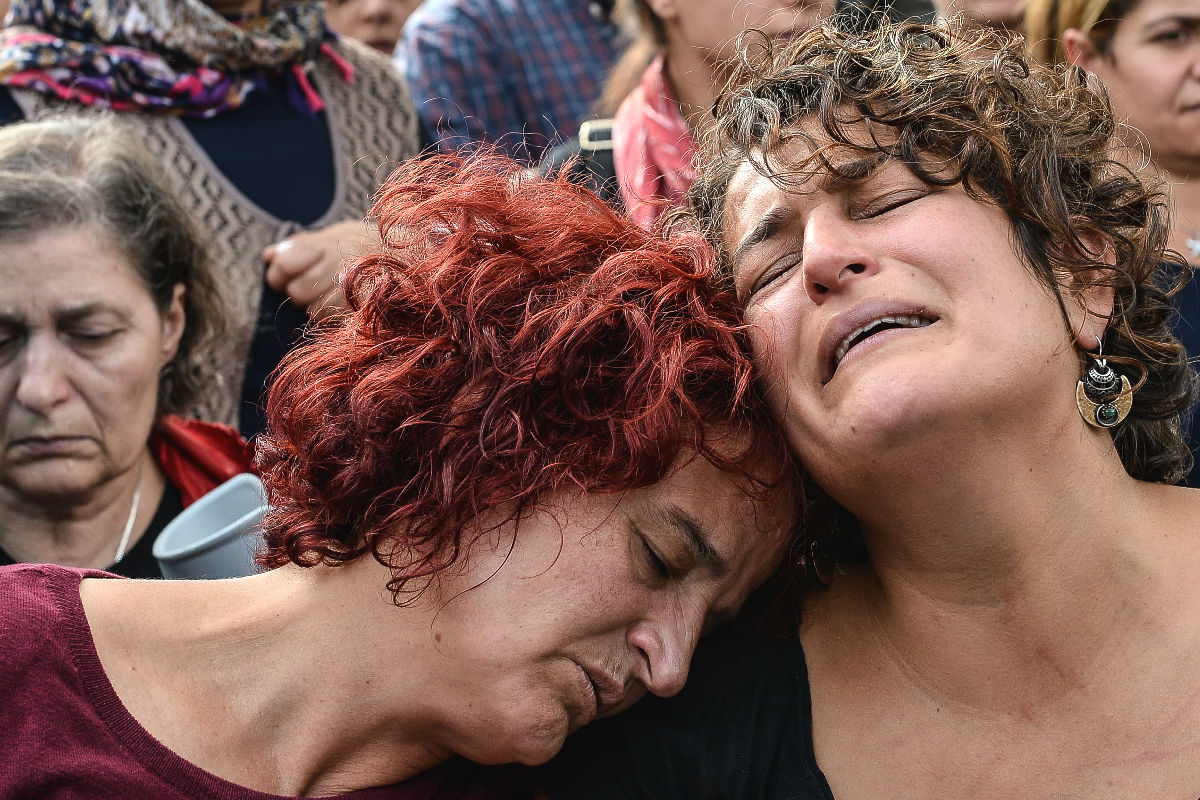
(123, 386)
(777, 348)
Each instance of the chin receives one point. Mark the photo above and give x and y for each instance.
(523, 737)
(53, 482)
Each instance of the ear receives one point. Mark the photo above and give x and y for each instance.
(1079, 49)
(666, 10)
(173, 320)
(1090, 293)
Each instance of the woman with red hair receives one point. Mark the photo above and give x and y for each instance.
(512, 486)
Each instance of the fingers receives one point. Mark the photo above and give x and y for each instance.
(306, 266)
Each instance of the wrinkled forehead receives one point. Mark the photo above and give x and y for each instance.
(808, 161)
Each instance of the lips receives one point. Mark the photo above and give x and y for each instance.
(846, 331)
(608, 691)
(47, 445)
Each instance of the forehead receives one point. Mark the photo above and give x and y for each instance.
(746, 529)
(802, 167)
(65, 263)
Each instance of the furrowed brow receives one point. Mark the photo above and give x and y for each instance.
(847, 173)
(772, 223)
(697, 540)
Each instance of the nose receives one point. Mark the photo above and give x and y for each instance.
(665, 644)
(43, 382)
(376, 10)
(835, 255)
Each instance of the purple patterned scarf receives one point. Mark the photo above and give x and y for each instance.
(167, 56)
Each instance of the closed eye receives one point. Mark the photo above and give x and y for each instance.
(775, 271)
(653, 560)
(91, 335)
(889, 202)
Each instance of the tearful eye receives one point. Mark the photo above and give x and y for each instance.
(774, 272)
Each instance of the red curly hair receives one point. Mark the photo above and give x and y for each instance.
(515, 339)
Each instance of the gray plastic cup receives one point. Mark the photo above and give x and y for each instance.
(216, 536)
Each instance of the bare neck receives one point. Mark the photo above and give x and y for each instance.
(287, 682)
(1185, 213)
(81, 532)
(1031, 568)
(695, 82)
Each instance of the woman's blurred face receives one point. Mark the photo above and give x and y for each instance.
(601, 598)
(374, 22)
(994, 13)
(81, 348)
(711, 27)
(890, 315)
(1152, 72)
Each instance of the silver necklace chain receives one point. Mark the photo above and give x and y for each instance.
(133, 509)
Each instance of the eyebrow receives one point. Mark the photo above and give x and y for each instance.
(68, 314)
(772, 223)
(848, 173)
(1183, 18)
(697, 540)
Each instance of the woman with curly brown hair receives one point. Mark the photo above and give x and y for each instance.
(960, 310)
(511, 488)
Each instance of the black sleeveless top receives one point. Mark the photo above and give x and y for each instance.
(740, 729)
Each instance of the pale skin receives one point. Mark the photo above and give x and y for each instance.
(601, 599)
(1026, 621)
(700, 39)
(1152, 72)
(82, 344)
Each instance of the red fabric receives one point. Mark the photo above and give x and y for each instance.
(65, 734)
(652, 148)
(199, 456)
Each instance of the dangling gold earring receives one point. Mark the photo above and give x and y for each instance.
(1102, 399)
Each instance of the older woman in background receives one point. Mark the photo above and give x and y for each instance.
(960, 312)
(276, 131)
(1147, 52)
(512, 488)
(106, 311)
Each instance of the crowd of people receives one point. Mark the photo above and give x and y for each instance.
(564, 334)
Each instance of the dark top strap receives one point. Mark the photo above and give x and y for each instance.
(588, 161)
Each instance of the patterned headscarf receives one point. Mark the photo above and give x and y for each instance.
(169, 56)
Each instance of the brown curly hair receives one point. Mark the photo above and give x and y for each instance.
(1033, 140)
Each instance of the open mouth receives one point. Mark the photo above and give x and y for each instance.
(861, 334)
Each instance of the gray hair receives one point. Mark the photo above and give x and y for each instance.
(71, 170)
